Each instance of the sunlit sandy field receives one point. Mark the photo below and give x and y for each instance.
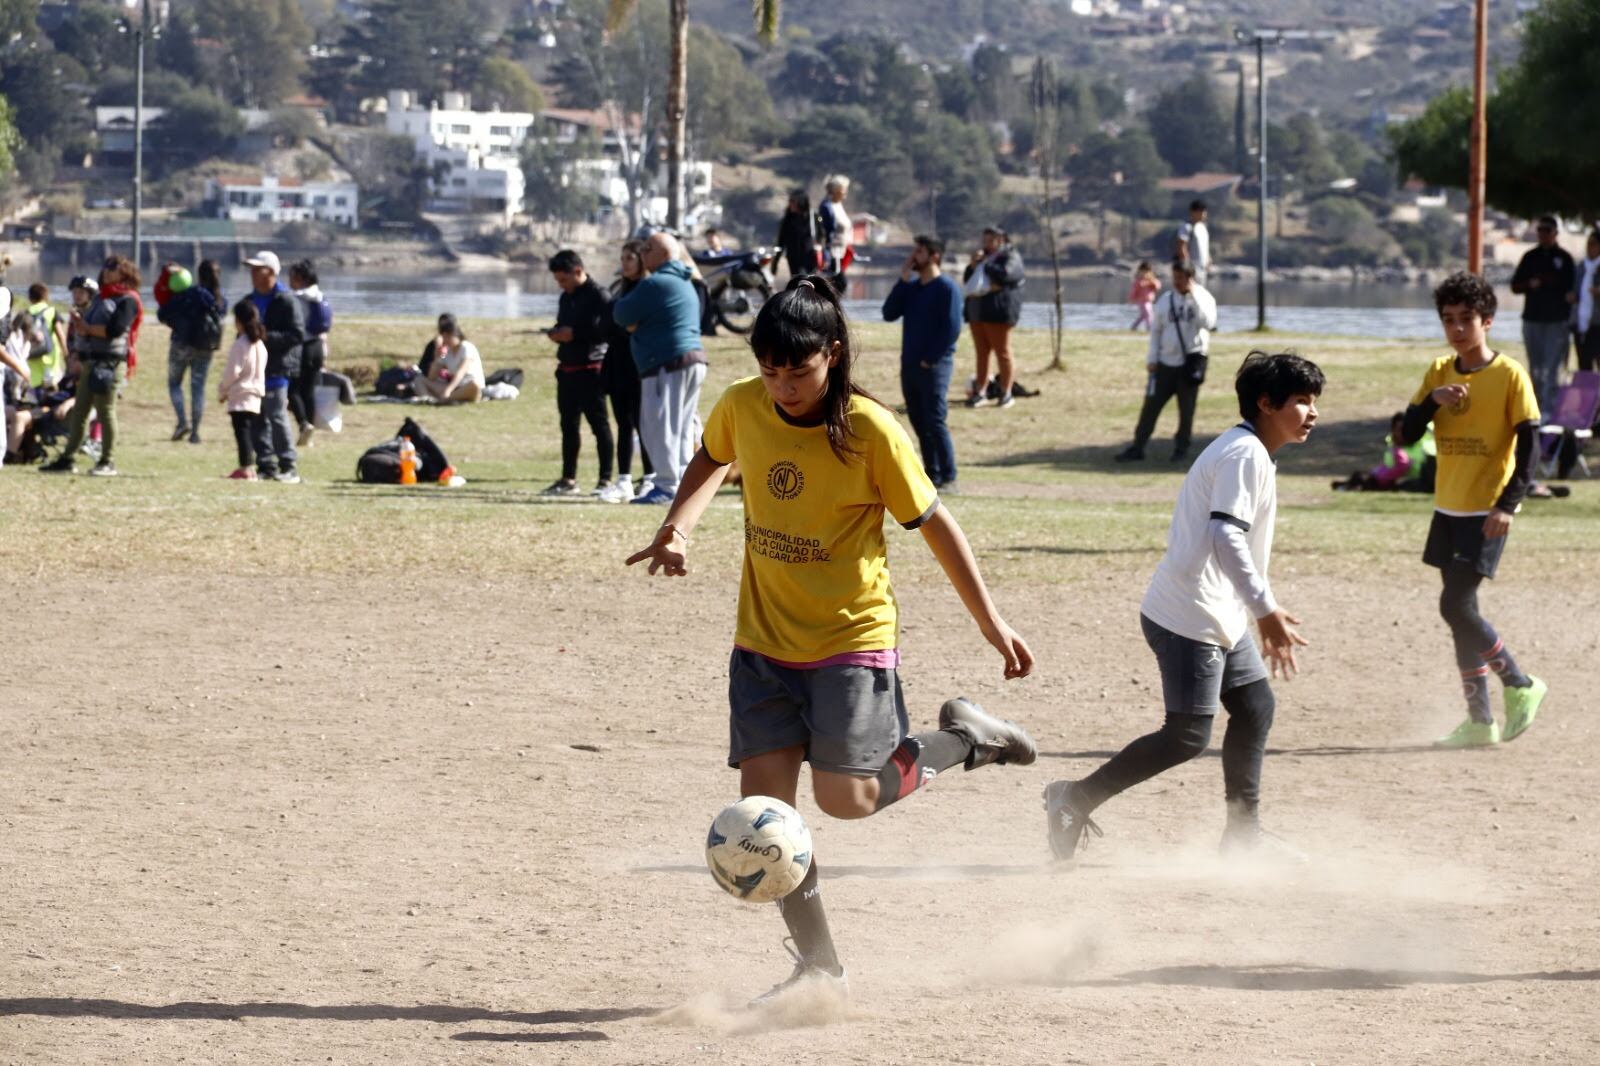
(339, 773)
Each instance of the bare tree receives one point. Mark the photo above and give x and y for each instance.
(1045, 96)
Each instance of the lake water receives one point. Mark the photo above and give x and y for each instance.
(1355, 310)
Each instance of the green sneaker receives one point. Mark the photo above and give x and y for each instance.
(1522, 706)
(1470, 734)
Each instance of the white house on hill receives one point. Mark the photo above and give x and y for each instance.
(474, 154)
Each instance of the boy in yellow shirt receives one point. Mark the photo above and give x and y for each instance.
(1485, 420)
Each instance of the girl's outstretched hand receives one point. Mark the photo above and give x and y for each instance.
(666, 553)
(1019, 660)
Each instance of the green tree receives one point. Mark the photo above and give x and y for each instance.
(35, 79)
(197, 124)
(504, 84)
(958, 182)
(394, 182)
(176, 52)
(17, 19)
(728, 105)
(1188, 126)
(1536, 161)
(96, 36)
(558, 188)
(9, 140)
(1122, 173)
(264, 45)
(850, 138)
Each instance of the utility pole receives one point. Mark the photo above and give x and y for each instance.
(1478, 140)
(139, 36)
(1261, 38)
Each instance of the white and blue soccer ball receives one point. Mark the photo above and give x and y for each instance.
(759, 849)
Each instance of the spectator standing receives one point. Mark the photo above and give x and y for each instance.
(1193, 242)
(993, 287)
(621, 380)
(47, 349)
(797, 238)
(314, 355)
(1142, 294)
(663, 315)
(928, 303)
(581, 333)
(244, 382)
(1585, 294)
(108, 332)
(1175, 363)
(454, 373)
(1544, 278)
(837, 235)
(285, 323)
(195, 317)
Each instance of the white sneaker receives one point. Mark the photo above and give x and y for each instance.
(646, 484)
(618, 491)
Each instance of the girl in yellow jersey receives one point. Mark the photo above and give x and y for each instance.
(813, 674)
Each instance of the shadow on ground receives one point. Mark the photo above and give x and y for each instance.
(438, 1013)
(888, 873)
(1292, 977)
(1215, 752)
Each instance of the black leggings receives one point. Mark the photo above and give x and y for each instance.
(243, 436)
(625, 395)
(303, 390)
(1458, 605)
(1183, 736)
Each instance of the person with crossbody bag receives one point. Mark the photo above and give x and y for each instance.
(1176, 361)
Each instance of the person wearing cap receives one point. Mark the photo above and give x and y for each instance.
(1175, 364)
(104, 334)
(993, 288)
(1543, 279)
(286, 333)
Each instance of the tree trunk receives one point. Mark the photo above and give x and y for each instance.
(677, 111)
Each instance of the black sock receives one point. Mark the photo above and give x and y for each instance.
(808, 925)
(916, 761)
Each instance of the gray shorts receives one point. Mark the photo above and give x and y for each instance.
(1194, 675)
(849, 719)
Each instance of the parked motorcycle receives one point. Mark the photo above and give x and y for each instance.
(737, 284)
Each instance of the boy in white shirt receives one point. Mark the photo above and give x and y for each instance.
(1196, 613)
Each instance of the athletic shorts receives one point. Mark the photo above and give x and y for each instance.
(1459, 540)
(850, 719)
(1194, 675)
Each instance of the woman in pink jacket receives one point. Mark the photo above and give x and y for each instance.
(244, 382)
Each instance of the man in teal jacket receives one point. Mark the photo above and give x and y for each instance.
(662, 313)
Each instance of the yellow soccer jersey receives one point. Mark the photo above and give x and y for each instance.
(1477, 440)
(816, 568)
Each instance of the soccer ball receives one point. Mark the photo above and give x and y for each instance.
(759, 849)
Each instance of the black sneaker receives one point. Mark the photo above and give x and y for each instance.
(1068, 825)
(1131, 454)
(562, 488)
(805, 971)
(180, 432)
(104, 468)
(62, 465)
(994, 740)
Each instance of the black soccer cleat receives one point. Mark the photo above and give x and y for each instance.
(993, 740)
(1068, 824)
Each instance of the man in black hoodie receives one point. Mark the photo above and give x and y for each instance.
(286, 333)
(583, 322)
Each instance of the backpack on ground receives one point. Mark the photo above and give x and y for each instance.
(380, 464)
(508, 376)
(394, 381)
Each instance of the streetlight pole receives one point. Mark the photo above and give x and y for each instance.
(1261, 39)
(138, 124)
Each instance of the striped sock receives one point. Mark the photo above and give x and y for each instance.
(917, 761)
(1499, 659)
(1475, 686)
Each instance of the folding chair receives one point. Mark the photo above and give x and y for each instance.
(1576, 408)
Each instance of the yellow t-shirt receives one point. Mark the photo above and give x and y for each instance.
(816, 568)
(1477, 440)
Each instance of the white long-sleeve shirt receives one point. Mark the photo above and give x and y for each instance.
(1181, 323)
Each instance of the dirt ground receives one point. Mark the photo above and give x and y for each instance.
(296, 819)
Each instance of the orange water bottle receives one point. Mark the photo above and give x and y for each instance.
(408, 462)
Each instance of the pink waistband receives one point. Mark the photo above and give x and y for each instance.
(885, 659)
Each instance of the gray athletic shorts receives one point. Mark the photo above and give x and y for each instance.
(1194, 675)
(849, 718)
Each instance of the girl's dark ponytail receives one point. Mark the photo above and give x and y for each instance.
(805, 318)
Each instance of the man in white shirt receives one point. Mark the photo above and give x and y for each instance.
(1196, 615)
(1193, 242)
(1175, 363)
